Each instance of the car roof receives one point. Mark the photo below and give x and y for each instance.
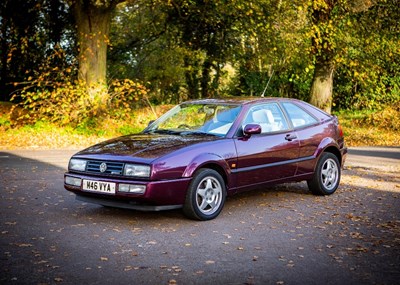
(237, 100)
(242, 101)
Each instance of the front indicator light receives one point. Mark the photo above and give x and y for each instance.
(132, 188)
(73, 181)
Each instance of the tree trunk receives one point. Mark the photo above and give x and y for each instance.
(93, 25)
(192, 78)
(215, 82)
(322, 86)
(323, 48)
(205, 78)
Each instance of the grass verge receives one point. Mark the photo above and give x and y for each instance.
(361, 129)
(371, 128)
(46, 135)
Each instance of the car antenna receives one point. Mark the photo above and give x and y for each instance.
(265, 89)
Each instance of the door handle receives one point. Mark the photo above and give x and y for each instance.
(290, 137)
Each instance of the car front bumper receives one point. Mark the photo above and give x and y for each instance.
(158, 195)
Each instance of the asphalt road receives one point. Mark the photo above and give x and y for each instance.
(277, 235)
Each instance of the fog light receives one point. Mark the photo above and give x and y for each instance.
(73, 181)
(131, 188)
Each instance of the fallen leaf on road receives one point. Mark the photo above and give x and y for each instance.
(24, 244)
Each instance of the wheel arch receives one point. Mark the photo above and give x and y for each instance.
(211, 161)
(329, 145)
(218, 168)
(335, 151)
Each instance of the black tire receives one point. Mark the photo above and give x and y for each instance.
(206, 195)
(327, 174)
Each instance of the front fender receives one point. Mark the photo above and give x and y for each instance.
(203, 159)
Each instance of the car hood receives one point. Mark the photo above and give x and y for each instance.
(143, 146)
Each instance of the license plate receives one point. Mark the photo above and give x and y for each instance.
(98, 186)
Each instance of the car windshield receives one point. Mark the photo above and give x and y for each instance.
(212, 119)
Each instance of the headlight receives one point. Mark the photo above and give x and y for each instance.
(77, 164)
(137, 170)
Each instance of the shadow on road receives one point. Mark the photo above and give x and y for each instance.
(387, 152)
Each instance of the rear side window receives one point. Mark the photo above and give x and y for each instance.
(298, 116)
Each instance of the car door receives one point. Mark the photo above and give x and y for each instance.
(309, 133)
(270, 155)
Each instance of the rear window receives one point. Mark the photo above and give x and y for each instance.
(298, 116)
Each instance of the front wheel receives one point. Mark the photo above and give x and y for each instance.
(206, 195)
(326, 177)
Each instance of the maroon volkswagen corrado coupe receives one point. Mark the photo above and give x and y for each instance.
(200, 151)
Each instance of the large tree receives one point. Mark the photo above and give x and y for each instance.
(327, 17)
(93, 18)
(323, 48)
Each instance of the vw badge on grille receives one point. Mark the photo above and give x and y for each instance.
(103, 167)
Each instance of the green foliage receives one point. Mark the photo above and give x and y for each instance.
(387, 119)
(148, 51)
(5, 122)
(29, 30)
(129, 129)
(125, 96)
(63, 104)
(368, 70)
(189, 49)
(366, 127)
(54, 96)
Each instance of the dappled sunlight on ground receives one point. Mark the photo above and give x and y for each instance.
(363, 177)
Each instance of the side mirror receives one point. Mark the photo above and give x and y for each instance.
(251, 129)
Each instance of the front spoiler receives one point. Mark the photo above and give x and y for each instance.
(126, 204)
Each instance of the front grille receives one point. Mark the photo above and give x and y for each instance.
(112, 167)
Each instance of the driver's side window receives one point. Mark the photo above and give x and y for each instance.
(268, 116)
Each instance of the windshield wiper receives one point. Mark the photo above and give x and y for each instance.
(197, 133)
(168, 132)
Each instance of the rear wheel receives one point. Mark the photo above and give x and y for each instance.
(206, 195)
(326, 177)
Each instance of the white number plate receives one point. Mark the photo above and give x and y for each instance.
(99, 186)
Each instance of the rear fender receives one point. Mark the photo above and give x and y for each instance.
(327, 143)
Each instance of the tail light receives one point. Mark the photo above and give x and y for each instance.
(340, 129)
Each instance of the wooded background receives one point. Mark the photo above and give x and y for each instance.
(64, 56)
